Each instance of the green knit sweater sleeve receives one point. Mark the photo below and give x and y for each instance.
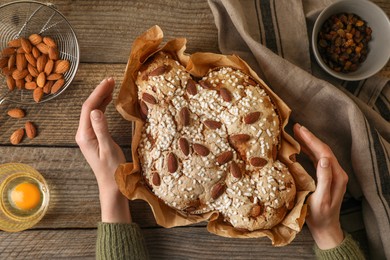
(120, 241)
(348, 249)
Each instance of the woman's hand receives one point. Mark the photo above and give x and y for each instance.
(102, 153)
(324, 204)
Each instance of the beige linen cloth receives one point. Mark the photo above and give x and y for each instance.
(351, 117)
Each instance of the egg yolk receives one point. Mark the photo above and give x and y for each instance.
(26, 196)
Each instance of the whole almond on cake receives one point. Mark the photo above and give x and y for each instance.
(210, 144)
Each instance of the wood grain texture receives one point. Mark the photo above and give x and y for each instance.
(174, 243)
(198, 243)
(74, 198)
(48, 244)
(107, 29)
(57, 120)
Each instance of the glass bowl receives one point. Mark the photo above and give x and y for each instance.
(23, 18)
(23, 184)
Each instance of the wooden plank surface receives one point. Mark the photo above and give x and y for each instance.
(74, 198)
(57, 120)
(174, 243)
(106, 30)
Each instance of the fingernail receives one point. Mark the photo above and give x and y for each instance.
(96, 114)
(304, 129)
(110, 79)
(298, 124)
(103, 81)
(324, 162)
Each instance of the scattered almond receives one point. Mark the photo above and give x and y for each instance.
(31, 131)
(16, 113)
(17, 136)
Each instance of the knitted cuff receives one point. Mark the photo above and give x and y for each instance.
(348, 249)
(120, 241)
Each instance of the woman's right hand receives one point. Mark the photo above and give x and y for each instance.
(324, 204)
(102, 153)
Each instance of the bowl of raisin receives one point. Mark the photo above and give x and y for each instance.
(350, 39)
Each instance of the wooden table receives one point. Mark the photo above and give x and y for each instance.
(106, 30)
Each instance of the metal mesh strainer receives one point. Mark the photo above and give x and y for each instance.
(23, 18)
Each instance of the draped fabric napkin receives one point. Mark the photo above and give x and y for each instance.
(351, 117)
